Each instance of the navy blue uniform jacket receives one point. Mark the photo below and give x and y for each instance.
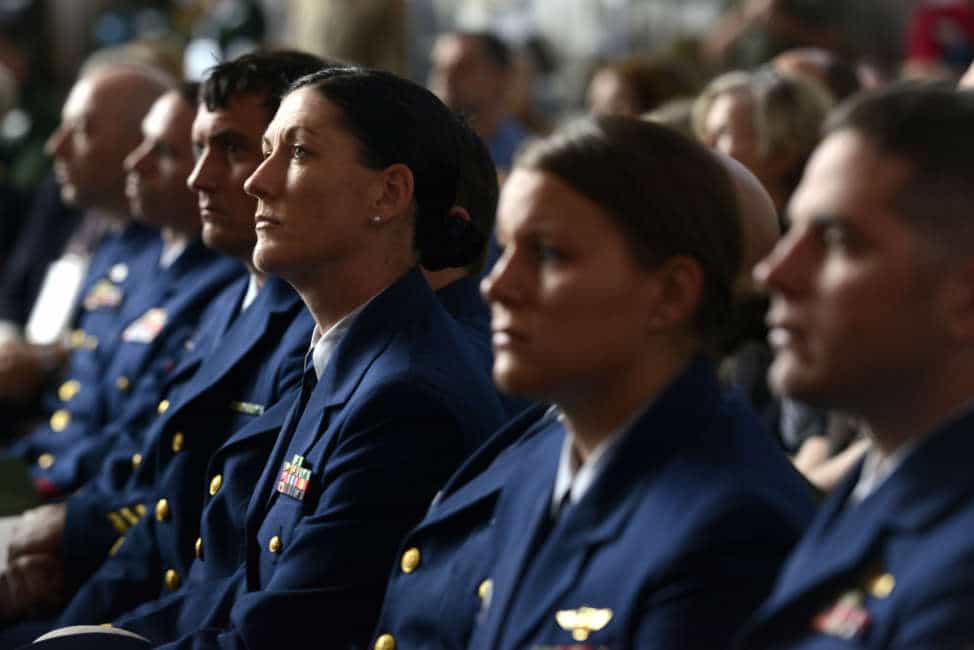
(894, 571)
(674, 544)
(242, 364)
(402, 401)
(160, 315)
(434, 604)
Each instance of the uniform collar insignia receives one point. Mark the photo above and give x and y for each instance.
(583, 621)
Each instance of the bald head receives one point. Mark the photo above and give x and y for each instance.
(760, 227)
(100, 124)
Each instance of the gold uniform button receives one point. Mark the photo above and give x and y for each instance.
(882, 585)
(68, 389)
(162, 510)
(385, 642)
(60, 420)
(198, 548)
(163, 406)
(484, 589)
(215, 484)
(178, 439)
(410, 560)
(274, 545)
(136, 460)
(172, 580)
(44, 461)
(91, 342)
(122, 383)
(78, 338)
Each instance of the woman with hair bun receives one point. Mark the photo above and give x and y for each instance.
(356, 190)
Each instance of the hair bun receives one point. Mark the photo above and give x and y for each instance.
(448, 242)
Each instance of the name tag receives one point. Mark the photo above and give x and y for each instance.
(247, 408)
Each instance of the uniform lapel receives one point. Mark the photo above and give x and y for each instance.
(679, 417)
(929, 483)
(522, 519)
(246, 331)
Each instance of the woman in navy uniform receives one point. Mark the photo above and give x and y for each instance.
(356, 191)
(648, 509)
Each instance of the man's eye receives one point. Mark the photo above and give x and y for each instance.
(298, 152)
(547, 253)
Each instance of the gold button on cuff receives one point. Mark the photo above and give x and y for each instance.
(68, 389)
(198, 547)
(136, 460)
(484, 589)
(410, 560)
(60, 420)
(163, 406)
(117, 545)
(44, 461)
(122, 383)
(215, 484)
(178, 439)
(172, 580)
(275, 544)
(162, 510)
(385, 642)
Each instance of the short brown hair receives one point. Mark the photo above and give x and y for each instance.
(667, 193)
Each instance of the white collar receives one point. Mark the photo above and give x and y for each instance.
(171, 250)
(253, 288)
(323, 345)
(876, 469)
(575, 477)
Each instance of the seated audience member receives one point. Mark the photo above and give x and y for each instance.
(477, 196)
(100, 125)
(766, 120)
(823, 445)
(160, 314)
(457, 289)
(872, 315)
(647, 501)
(830, 70)
(471, 73)
(635, 86)
(393, 398)
(939, 40)
(246, 356)
(439, 600)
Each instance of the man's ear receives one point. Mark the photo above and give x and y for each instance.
(460, 212)
(393, 194)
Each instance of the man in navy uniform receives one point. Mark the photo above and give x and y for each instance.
(872, 314)
(245, 357)
(100, 125)
(159, 316)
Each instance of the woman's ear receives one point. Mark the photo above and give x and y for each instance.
(393, 194)
(680, 281)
